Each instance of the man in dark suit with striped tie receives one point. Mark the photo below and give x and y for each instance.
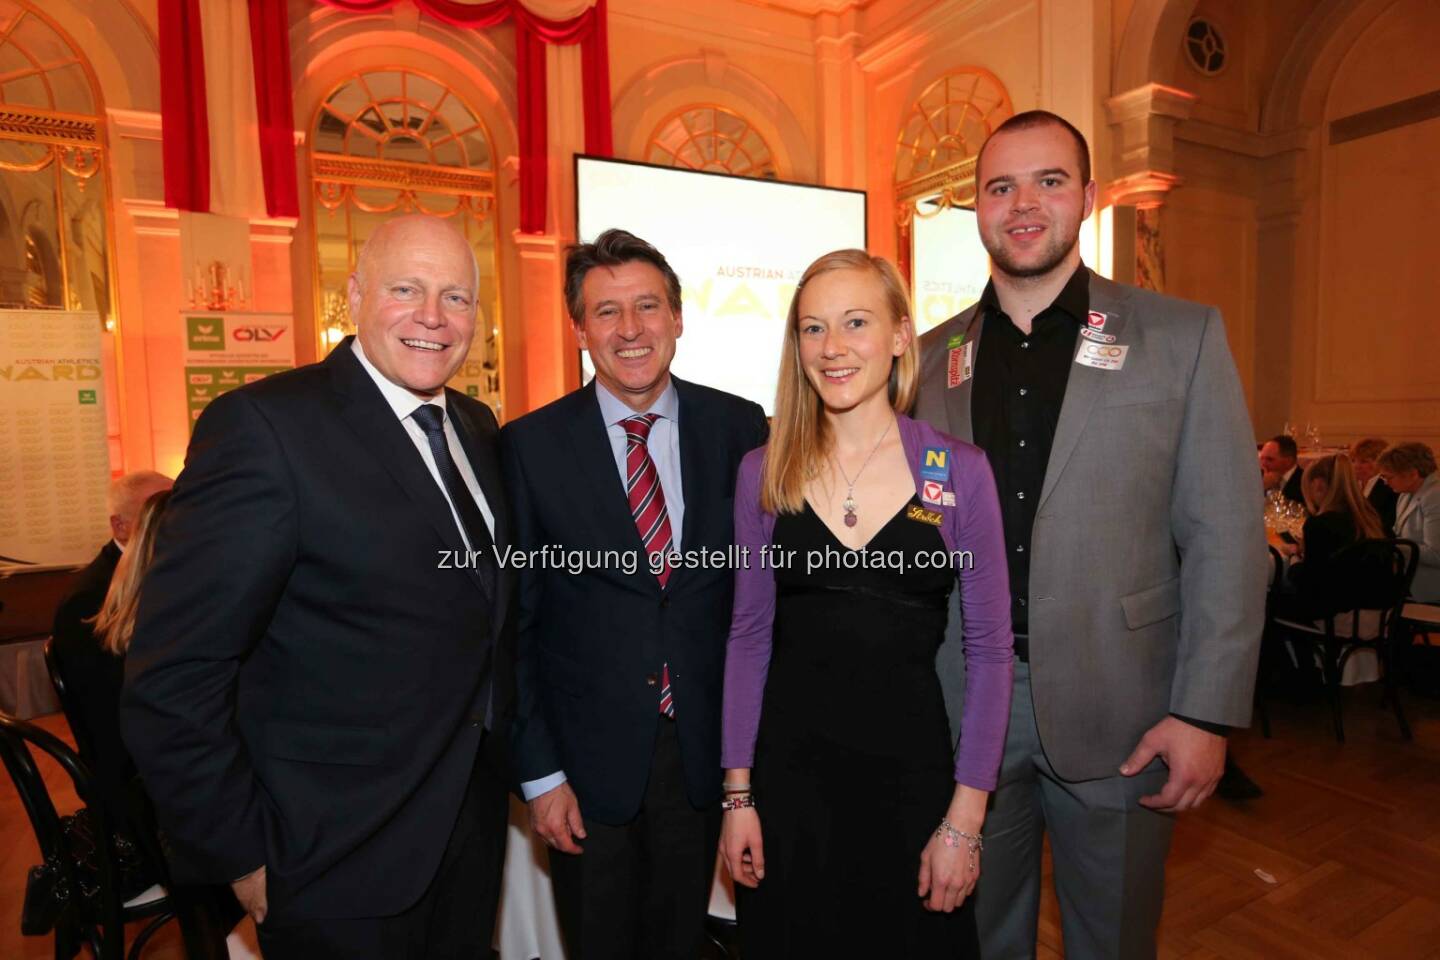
(621, 654)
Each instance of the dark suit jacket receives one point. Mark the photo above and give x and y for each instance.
(591, 646)
(1293, 489)
(1383, 499)
(306, 689)
(92, 677)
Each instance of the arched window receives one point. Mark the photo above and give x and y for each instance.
(388, 142)
(703, 137)
(935, 190)
(54, 234)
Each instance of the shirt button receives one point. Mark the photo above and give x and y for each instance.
(1022, 601)
(1022, 443)
(1023, 391)
(1024, 344)
(1019, 494)
(1020, 548)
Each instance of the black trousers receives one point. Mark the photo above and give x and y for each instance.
(640, 889)
(453, 920)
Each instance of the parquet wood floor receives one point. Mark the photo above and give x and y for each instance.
(1349, 833)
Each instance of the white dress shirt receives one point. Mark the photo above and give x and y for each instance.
(664, 446)
(404, 403)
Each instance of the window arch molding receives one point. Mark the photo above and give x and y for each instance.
(706, 136)
(55, 198)
(668, 87)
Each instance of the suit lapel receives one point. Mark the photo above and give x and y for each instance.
(378, 431)
(696, 473)
(957, 399)
(595, 460)
(1085, 385)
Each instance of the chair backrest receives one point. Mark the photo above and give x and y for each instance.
(16, 738)
(1372, 575)
(73, 716)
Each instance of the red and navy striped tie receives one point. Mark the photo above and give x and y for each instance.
(647, 507)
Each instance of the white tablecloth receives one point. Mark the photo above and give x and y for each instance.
(25, 689)
(528, 927)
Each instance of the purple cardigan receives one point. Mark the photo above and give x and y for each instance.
(972, 524)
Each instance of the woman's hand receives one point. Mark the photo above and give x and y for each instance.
(949, 870)
(947, 876)
(742, 847)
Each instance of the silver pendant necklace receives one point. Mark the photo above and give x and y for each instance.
(849, 505)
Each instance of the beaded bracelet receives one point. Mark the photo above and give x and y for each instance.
(951, 837)
(744, 801)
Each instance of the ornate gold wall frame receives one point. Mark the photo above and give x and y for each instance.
(391, 140)
(57, 247)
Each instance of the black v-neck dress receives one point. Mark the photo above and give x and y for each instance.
(854, 763)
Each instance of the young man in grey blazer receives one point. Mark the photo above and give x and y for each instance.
(1124, 457)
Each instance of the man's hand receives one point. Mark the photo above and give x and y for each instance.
(1196, 760)
(250, 891)
(555, 818)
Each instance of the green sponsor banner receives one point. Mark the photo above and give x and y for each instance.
(205, 333)
(204, 384)
(87, 396)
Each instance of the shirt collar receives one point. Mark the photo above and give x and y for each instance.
(613, 409)
(402, 401)
(1073, 300)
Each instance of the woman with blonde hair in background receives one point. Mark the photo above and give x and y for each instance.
(851, 826)
(1339, 516)
(94, 683)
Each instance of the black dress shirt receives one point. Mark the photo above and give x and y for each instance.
(1020, 382)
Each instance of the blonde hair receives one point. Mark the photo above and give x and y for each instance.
(799, 438)
(115, 623)
(1342, 494)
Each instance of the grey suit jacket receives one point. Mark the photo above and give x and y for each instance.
(1147, 574)
(1417, 517)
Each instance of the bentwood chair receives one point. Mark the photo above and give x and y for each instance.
(75, 891)
(1371, 582)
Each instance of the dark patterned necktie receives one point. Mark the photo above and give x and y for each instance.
(431, 419)
(647, 507)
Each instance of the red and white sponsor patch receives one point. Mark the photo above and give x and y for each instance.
(932, 491)
(1096, 320)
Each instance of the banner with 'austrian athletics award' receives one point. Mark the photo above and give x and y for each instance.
(54, 456)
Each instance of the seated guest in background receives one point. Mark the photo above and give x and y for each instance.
(94, 674)
(94, 683)
(1280, 468)
(1363, 454)
(1409, 470)
(808, 647)
(94, 680)
(1339, 516)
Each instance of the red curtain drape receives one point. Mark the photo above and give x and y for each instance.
(184, 125)
(186, 132)
(274, 105)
